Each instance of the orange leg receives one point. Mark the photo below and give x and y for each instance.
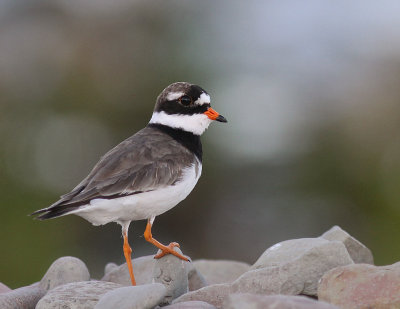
(164, 249)
(127, 253)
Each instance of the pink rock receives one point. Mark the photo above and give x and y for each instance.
(362, 286)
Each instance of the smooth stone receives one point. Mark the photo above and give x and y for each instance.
(64, 270)
(288, 251)
(4, 288)
(133, 297)
(195, 278)
(362, 286)
(253, 301)
(295, 275)
(142, 269)
(110, 267)
(213, 294)
(76, 295)
(22, 298)
(358, 252)
(220, 271)
(172, 272)
(271, 280)
(191, 305)
(301, 262)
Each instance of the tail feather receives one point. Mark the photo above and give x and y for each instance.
(60, 208)
(54, 212)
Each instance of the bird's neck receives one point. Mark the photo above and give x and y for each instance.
(187, 139)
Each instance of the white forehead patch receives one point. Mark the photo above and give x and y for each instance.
(174, 95)
(204, 99)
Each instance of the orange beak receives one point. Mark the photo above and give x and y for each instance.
(213, 115)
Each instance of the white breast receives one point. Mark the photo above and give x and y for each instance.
(143, 205)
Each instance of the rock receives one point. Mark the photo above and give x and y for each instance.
(358, 252)
(212, 294)
(196, 279)
(362, 286)
(302, 262)
(22, 298)
(64, 270)
(289, 251)
(220, 271)
(110, 267)
(133, 297)
(293, 267)
(4, 288)
(191, 305)
(253, 301)
(142, 269)
(172, 272)
(76, 295)
(273, 280)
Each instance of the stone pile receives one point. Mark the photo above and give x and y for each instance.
(327, 272)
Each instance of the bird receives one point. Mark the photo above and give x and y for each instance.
(148, 173)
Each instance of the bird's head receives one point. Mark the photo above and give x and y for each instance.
(185, 106)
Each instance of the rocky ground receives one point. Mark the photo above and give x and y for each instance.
(327, 272)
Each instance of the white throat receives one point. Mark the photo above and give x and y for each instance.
(196, 123)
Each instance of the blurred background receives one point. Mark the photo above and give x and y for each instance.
(311, 91)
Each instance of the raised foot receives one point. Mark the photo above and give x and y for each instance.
(170, 250)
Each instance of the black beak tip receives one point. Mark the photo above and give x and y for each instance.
(221, 118)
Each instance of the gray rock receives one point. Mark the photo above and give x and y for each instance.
(220, 271)
(110, 267)
(172, 272)
(76, 295)
(213, 294)
(64, 270)
(293, 271)
(4, 288)
(301, 262)
(287, 251)
(133, 297)
(196, 279)
(142, 269)
(253, 301)
(358, 252)
(270, 280)
(22, 298)
(190, 305)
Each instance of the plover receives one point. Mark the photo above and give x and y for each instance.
(148, 173)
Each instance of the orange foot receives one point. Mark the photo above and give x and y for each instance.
(164, 249)
(170, 250)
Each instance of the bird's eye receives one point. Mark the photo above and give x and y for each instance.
(185, 100)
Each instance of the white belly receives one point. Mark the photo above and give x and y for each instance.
(143, 205)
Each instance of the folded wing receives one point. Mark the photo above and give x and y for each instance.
(144, 162)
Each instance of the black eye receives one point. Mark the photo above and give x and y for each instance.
(185, 100)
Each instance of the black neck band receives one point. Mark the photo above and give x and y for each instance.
(186, 139)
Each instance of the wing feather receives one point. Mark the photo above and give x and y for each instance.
(144, 162)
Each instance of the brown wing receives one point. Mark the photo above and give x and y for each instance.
(144, 162)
